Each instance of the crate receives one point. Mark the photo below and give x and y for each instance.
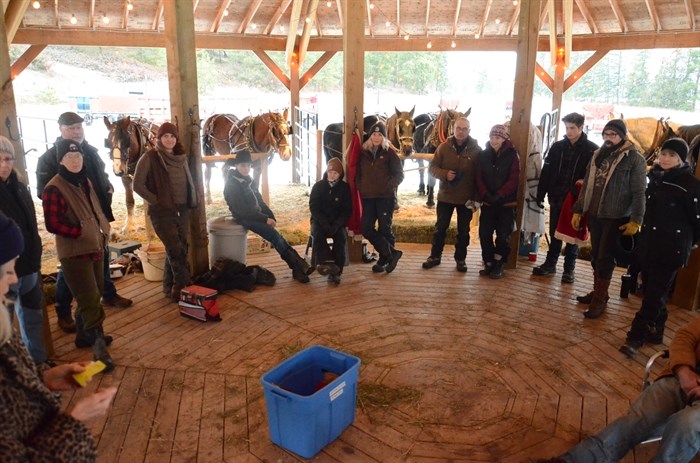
(308, 406)
(120, 247)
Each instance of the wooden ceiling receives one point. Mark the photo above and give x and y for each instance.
(445, 24)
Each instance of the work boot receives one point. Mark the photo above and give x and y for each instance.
(67, 324)
(567, 276)
(589, 297)
(83, 338)
(462, 266)
(99, 349)
(394, 259)
(117, 301)
(379, 267)
(600, 299)
(547, 268)
(334, 279)
(486, 271)
(431, 201)
(498, 270)
(431, 262)
(300, 268)
(630, 348)
(328, 268)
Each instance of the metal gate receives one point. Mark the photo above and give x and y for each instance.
(305, 147)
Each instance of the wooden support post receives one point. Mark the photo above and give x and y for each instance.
(8, 106)
(294, 88)
(522, 103)
(319, 155)
(184, 108)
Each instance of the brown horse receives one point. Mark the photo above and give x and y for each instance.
(225, 134)
(399, 130)
(649, 134)
(127, 141)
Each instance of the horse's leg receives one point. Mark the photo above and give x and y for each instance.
(431, 191)
(207, 180)
(421, 185)
(257, 172)
(128, 227)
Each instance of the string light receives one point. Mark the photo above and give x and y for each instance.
(36, 5)
(515, 2)
(406, 37)
(430, 44)
(105, 19)
(371, 6)
(453, 44)
(253, 26)
(226, 12)
(329, 3)
(307, 20)
(129, 6)
(498, 20)
(73, 19)
(387, 24)
(476, 36)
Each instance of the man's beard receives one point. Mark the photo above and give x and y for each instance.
(608, 147)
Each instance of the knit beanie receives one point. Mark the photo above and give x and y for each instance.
(335, 165)
(678, 146)
(167, 127)
(617, 125)
(243, 156)
(11, 239)
(378, 126)
(499, 130)
(65, 146)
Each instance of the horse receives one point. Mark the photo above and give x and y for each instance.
(422, 122)
(434, 133)
(127, 141)
(333, 136)
(226, 134)
(648, 134)
(399, 131)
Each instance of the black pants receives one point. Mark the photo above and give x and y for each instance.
(444, 216)
(604, 242)
(555, 245)
(658, 279)
(172, 229)
(500, 220)
(322, 252)
(380, 211)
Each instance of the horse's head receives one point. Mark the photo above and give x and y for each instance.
(278, 132)
(119, 143)
(404, 128)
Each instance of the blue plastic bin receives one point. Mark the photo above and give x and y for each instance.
(304, 415)
(526, 248)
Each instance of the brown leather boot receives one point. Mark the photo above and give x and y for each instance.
(589, 297)
(600, 299)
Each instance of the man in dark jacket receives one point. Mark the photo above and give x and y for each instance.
(331, 206)
(454, 164)
(71, 127)
(564, 165)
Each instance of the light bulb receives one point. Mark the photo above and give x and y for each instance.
(387, 24)
(430, 44)
(405, 37)
(253, 26)
(73, 19)
(225, 12)
(129, 6)
(329, 3)
(105, 19)
(476, 36)
(36, 5)
(498, 20)
(453, 44)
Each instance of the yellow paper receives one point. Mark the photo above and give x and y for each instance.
(90, 371)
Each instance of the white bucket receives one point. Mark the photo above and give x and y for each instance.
(227, 239)
(153, 262)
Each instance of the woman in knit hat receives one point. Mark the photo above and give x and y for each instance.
(379, 174)
(497, 180)
(670, 229)
(16, 202)
(72, 212)
(331, 206)
(163, 180)
(34, 427)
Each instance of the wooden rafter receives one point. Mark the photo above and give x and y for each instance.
(277, 16)
(618, 14)
(568, 22)
(543, 13)
(219, 17)
(272, 66)
(369, 18)
(13, 17)
(195, 5)
(25, 60)
(690, 13)
(456, 18)
(651, 7)
(587, 16)
(317, 66)
(513, 19)
(292, 32)
(584, 68)
(398, 17)
(312, 6)
(427, 17)
(252, 9)
(317, 24)
(552, 15)
(544, 76)
(484, 18)
(55, 14)
(91, 14)
(125, 16)
(339, 7)
(158, 15)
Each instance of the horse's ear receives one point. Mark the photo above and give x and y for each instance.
(469, 111)
(108, 124)
(285, 114)
(398, 113)
(411, 113)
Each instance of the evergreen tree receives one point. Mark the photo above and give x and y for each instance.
(637, 86)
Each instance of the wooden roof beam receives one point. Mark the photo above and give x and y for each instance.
(398, 17)
(252, 9)
(618, 14)
(484, 18)
(25, 60)
(125, 15)
(513, 19)
(369, 18)
(317, 66)
(568, 21)
(543, 13)
(584, 68)
(195, 5)
(292, 32)
(651, 7)
(317, 24)
(272, 66)
(55, 14)
(91, 14)
(339, 7)
(552, 14)
(427, 17)
(544, 76)
(306, 33)
(158, 15)
(585, 12)
(13, 17)
(456, 18)
(277, 16)
(690, 13)
(219, 17)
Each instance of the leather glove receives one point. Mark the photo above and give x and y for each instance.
(576, 221)
(630, 228)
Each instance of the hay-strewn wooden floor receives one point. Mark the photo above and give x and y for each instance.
(505, 369)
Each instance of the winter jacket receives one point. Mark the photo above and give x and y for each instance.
(446, 158)
(244, 200)
(32, 427)
(564, 165)
(498, 175)
(16, 202)
(623, 192)
(47, 168)
(152, 183)
(330, 206)
(380, 174)
(671, 219)
(684, 349)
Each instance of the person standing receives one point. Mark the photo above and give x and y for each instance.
(379, 174)
(250, 211)
(612, 199)
(72, 212)
(16, 203)
(330, 205)
(71, 127)
(497, 179)
(671, 228)
(454, 165)
(162, 178)
(565, 164)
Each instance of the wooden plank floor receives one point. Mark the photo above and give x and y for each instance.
(507, 369)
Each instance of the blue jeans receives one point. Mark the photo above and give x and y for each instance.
(29, 309)
(662, 409)
(268, 233)
(64, 297)
(571, 250)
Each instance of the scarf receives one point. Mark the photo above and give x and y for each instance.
(77, 179)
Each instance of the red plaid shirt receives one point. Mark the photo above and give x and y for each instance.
(55, 209)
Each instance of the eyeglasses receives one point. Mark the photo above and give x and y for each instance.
(611, 134)
(461, 129)
(73, 155)
(7, 160)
